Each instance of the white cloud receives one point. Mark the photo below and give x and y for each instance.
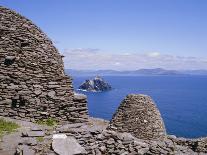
(153, 54)
(94, 59)
(117, 63)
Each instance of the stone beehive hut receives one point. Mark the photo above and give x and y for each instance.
(138, 115)
(33, 84)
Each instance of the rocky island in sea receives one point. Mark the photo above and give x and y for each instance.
(96, 84)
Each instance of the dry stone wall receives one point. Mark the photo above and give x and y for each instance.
(92, 138)
(138, 115)
(33, 84)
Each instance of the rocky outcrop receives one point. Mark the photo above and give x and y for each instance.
(33, 84)
(95, 85)
(138, 114)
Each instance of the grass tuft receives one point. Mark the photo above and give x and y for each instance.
(48, 122)
(7, 127)
(40, 139)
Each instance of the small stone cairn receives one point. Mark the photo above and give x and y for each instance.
(138, 115)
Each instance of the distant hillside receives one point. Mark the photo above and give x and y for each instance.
(140, 72)
(196, 72)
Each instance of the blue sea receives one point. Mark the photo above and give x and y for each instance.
(182, 100)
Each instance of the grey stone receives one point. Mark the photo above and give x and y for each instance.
(102, 149)
(138, 115)
(29, 141)
(7, 101)
(35, 128)
(79, 96)
(44, 113)
(7, 152)
(143, 151)
(140, 143)
(125, 136)
(12, 86)
(51, 94)
(97, 152)
(37, 92)
(37, 86)
(110, 141)
(125, 153)
(25, 150)
(33, 134)
(67, 146)
(52, 83)
(10, 58)
(53, 86)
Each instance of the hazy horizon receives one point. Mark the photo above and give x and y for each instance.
(132, 70)
(94, 59)
(123, 35)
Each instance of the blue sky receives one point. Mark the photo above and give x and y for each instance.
(175, 28)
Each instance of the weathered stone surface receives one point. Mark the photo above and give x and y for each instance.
(30, 141)
(51, 94)
(139, 116)
(32, 80)
(33, 134)
(64, 145)
(25, 150)
(79, 97)
(95, 141)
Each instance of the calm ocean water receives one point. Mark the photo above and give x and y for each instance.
(181, 100)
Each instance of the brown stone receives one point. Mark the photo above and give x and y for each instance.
(32, 69)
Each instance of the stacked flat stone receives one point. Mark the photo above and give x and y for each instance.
(97, 140)
(92, 138)
(33, 84)
(80, 108)
(139, 116)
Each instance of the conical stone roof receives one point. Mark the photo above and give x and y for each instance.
(33, 84)
(138, 115)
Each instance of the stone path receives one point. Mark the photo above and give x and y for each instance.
(91, 138)
(26, 135)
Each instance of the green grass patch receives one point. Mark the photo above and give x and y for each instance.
(40, 139)
(7, 127)
(48, 122)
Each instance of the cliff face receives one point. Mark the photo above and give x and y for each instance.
(138, 115)
(33, 84)
(95, 85)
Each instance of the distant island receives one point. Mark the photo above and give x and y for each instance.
(140, 72)
(95, 85)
